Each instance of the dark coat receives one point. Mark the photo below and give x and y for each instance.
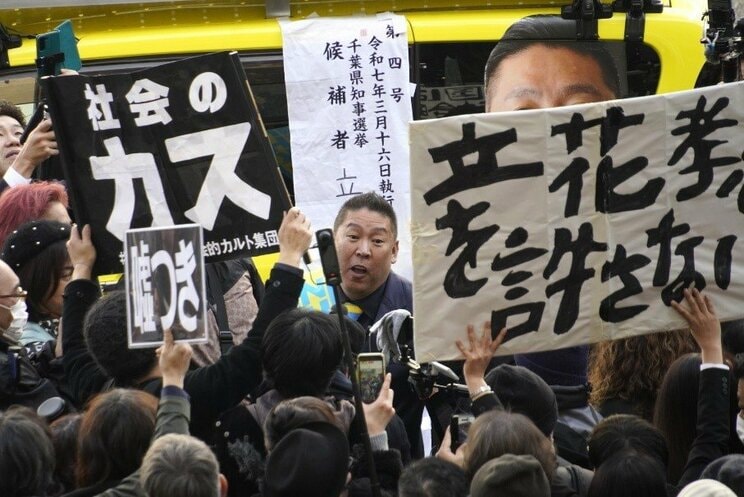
(214, 388)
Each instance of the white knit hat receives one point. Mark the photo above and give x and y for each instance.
(706, 488)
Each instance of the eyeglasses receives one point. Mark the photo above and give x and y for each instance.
(20, 295)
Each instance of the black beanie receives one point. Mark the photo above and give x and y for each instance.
(28, 241)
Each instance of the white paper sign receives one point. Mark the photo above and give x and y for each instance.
(577, 224)
(349, 105)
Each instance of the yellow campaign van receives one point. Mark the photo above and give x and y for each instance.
(449, 42)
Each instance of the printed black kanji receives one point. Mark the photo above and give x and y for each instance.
(333, 51)
(337, 95)
(386, 186)
(354, 45)
(339, 139)
(375, 43)
(355, 61)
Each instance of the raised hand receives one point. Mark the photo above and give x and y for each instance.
(478, 354)
(81, 251)
(294, 237)
(379, 413)
(174, 360)
(704, 324)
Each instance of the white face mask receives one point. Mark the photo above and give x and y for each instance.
(20, 317)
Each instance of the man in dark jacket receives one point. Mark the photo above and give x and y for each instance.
(366, 238)
(102, 359)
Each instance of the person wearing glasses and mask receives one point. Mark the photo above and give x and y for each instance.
(20, 382)
(13, 313)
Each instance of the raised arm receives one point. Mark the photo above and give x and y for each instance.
(174, 410)
(478, 355)
(40, 145)
(713, 416)
(222, 385)
(704, 324)
(81, 371)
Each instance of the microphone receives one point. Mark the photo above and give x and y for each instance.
(440, 368)
(388, 330)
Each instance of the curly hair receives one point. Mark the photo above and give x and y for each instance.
(615, 367)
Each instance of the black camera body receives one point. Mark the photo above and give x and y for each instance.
(723, 39)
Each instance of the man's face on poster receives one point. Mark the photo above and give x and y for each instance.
(541, 76)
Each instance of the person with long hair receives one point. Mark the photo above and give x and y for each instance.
(115, 433)
(676, 411)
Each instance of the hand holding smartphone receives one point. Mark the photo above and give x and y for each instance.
(370, 371)
(459, 426)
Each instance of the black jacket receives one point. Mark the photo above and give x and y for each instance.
(214, 388)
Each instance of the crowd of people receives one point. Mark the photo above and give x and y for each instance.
(268, 409)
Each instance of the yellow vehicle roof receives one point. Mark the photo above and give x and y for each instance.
(125, 30)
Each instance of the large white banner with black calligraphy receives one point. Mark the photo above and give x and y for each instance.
(577, 224)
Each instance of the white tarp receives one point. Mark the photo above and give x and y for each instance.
(349, 104)
(577, 224)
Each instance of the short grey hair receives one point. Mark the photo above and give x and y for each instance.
(180, 465)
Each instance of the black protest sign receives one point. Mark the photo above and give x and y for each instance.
(173, 144)
(165, 281)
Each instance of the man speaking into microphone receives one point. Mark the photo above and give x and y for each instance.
(366, 239)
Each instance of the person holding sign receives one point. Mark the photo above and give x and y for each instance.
(712, 431)
(96, 354)
(19, 160)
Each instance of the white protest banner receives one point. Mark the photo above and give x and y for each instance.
(164, 273)
(349, 105)
(577, 224)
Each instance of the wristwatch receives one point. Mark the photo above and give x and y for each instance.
(480, 391)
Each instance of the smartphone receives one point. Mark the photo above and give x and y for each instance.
(57, 50)
(40, 113)
(459, 426)
(370, 371)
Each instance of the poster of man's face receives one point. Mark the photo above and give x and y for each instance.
(539, 64)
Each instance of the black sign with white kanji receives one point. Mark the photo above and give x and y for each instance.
(173, 144)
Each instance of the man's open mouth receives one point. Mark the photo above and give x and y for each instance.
(358, 270)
